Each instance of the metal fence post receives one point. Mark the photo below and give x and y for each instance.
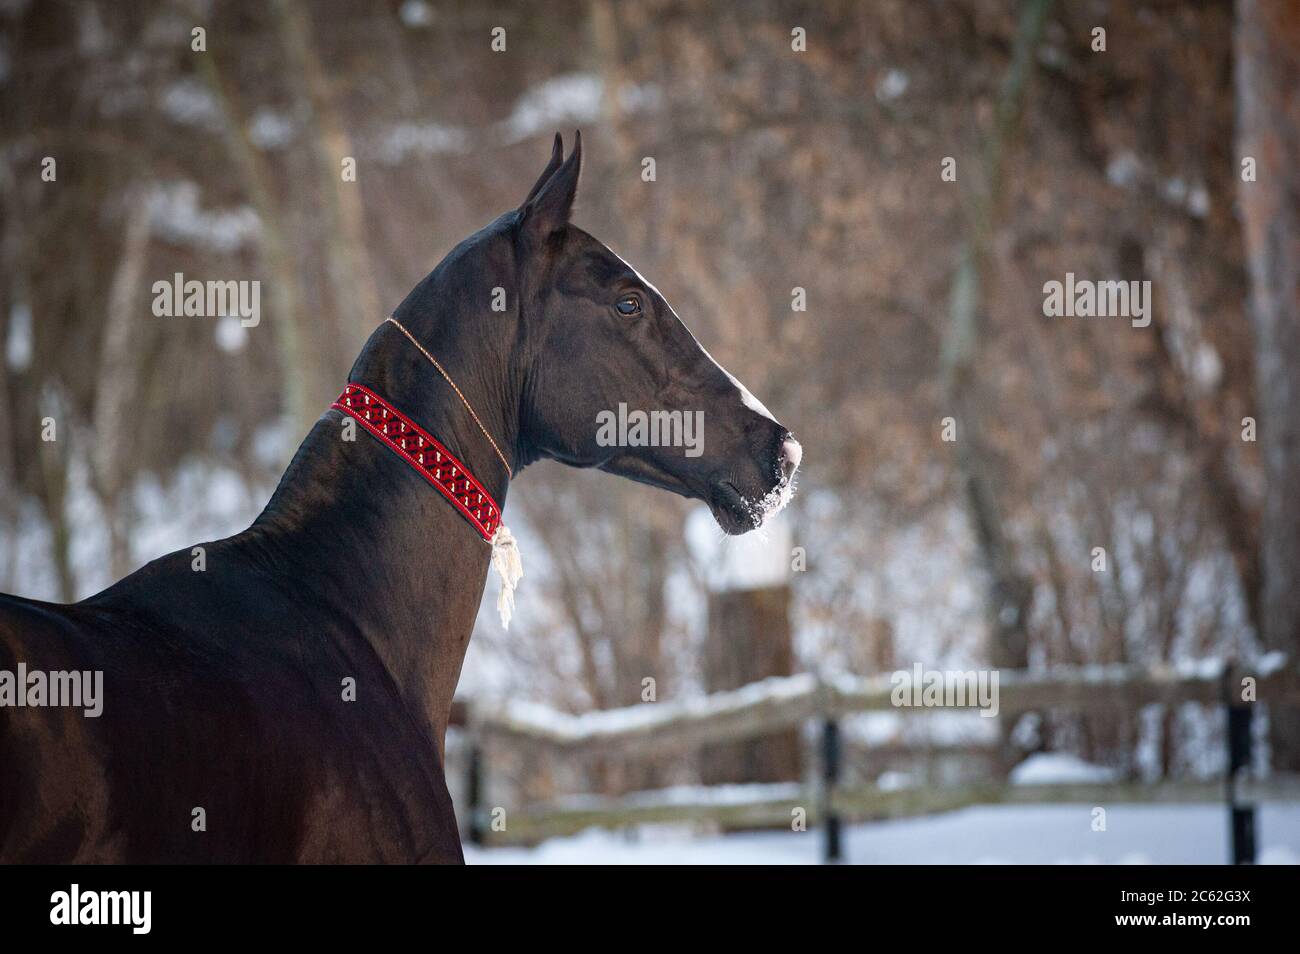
(831, 848)
(474, 791)
(1241, 818)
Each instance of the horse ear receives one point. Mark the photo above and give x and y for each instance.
(557, 156)
(548, 211)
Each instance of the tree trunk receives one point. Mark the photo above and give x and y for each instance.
(115, 388)
(1268, 131)
(1008, 591)
(54, 493)
(300, 383)
(348, 256)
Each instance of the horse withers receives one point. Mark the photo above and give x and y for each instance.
(285, 699)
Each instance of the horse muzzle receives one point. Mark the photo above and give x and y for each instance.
(737, 511)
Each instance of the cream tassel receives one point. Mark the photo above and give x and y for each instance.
(505, 560)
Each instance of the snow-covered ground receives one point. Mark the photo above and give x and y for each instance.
(1019, 834)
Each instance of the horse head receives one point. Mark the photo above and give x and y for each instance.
(616, 381)
(591, 366)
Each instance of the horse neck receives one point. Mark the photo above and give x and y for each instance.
(382, 555)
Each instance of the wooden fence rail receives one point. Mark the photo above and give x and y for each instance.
(780, 702)
(849, 803)
(654, 729)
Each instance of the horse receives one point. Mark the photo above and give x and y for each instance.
(285, 699)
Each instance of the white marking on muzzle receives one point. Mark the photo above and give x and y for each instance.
(775, 500)
(792, 451)
(746, 397)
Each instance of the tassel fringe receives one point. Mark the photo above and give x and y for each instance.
(506, 561)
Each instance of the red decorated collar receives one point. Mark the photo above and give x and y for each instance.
(425, 453)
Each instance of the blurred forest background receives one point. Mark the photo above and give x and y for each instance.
(775, 169)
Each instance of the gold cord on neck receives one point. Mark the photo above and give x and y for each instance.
(463, 400)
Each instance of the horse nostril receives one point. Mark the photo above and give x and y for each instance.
(791, 453)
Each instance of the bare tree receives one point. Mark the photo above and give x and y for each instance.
(1268, 130)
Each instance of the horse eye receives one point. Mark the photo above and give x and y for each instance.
(629, 305)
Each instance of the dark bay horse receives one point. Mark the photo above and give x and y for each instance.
(228, 732)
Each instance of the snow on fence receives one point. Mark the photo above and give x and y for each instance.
(654, 729)
(783, 701)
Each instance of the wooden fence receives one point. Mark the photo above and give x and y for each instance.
(668, 728)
